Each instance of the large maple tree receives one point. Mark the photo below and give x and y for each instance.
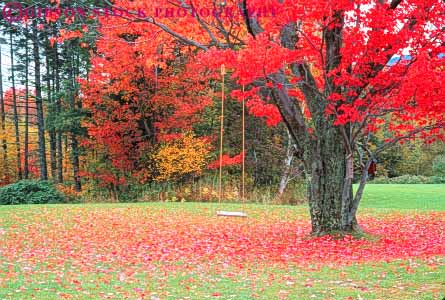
(335, 72)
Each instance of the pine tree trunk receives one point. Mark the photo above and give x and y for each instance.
(3, 124)
(16, 117)
(26, 150)
(76, 163)
(39, 106)
(59, 145)
(74, 142)
(52, 133)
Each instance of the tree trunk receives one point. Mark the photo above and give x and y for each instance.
(39, 106)
(16, 117)
(26, 142)
(286, 176)
(3, 124)
(328, 165)
(74, 142)
(76, 163)
(323, 147)
(58, 111)
(331, 200)
(52, 133)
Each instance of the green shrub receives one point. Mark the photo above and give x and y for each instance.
(30, 192)
(379, 180)
(439, 165)
(436, 179)
(409, 179)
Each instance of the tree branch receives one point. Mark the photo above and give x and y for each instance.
(407, 136)
(164, 27)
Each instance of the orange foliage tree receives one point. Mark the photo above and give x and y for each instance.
(181, 157)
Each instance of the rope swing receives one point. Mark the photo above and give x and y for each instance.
(221, 133)
(220, 212)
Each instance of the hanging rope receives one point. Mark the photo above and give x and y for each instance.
(244, 148)
(228, 213)
(223, 72)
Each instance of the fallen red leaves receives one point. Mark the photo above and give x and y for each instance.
(140, 236)
(125, 241)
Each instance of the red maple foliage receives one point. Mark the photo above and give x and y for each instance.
(137, 97)
(226, 161)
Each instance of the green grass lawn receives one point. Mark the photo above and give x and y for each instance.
(404, 196)
(122, 251)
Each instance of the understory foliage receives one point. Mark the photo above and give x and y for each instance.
(410, 179)
(439, 165)
(30, 192)
(8, 162)
(181, 157)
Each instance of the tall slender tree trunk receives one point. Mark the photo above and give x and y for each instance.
(52, 133)
(75, 162)
(59, 146)
(3, 123)
(74, 142)
(16, 116)
(3, 126)
(39, 106)
(286, 175)
(26, 142)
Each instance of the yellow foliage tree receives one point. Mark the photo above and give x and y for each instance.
(185, 156)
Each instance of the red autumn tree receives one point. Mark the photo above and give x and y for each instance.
(137, 96)
(325, 66)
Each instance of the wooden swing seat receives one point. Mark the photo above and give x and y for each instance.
(222, 213)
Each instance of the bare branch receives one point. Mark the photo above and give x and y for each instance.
(394, 4)
(164, 27)
(407, 136)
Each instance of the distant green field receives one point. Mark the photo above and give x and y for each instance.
(404, 196)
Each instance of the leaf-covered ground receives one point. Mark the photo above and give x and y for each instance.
(183, 251)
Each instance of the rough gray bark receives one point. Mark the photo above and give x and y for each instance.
(327, 173)
(39, 106)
